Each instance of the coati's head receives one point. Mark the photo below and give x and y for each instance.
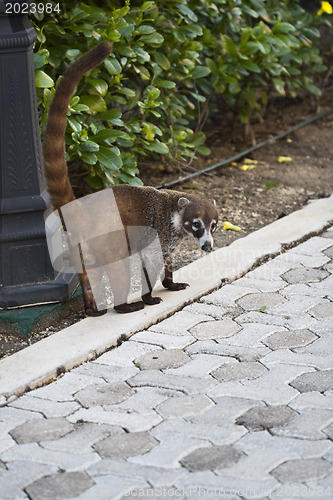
(198, 218)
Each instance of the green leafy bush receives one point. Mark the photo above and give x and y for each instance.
(170, 59)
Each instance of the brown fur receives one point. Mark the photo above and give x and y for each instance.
(168, 212)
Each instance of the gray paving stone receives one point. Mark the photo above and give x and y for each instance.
(219, 485)
(41, 430)
(170, 451)
(12, 417)
(217, 329)
(154, 378)
(254, 301)
(20, 474)
(109, 373)
(59, 486)
(251, 335)
(227, 294)
(63, 460)
(322, 310)
(316, 260)
(312, 400)
(82, 438)
(211, 458)
(314, 381)
(290, 322)
(165, 340)
(225, 411)
(216, 312)
(46, 407)
(272, 387)
(295, 307)
(126, 445)
(266, 417)
(162, 360)
(184, 406)
(308, 425)
(180, 323)
(146, 399)
(263, 443)
(302, 470)
(156, 476)
(104, 394)
(65, 387)
(132, 421)
(285, 356)
(117, 486)
(246, 370)
(124, 355)
(329, 431)
(224, 348)
(260, 284)
(200, 365)
(329, 250)
(304, 275)
(289, 339)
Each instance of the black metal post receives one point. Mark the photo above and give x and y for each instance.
(26, 274)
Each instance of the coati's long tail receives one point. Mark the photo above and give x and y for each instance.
(56, 172)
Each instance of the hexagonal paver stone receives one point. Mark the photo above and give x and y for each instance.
(215, 457)
(329, 250)
(239, 371)
(104, 394)
(314, 381)
(184, 406)
(222, 328)
(304, 275)
(309, 469)
(257, 301)
(59, 486)
(329, 431)
(41, 430)
(289, 339)
(265, 417)
(322, 310)
(126, 445)
(162, 360)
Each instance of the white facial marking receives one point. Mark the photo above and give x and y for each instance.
(206, 237)
(176, 221)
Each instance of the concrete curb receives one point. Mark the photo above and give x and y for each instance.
(48, 358)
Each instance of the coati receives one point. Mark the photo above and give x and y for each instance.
(171, 214)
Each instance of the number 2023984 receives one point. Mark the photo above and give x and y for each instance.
(32, 8)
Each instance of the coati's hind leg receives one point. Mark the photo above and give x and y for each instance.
(119, 276)
(145, 278)
(168, 282)
(88, 297)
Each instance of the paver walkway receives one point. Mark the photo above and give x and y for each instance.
(232, 397)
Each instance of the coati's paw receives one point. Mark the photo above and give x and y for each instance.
(128, 308)
(95, 312)
(174, 287)
(149, 300)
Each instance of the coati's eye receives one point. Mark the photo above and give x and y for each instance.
(196, 224)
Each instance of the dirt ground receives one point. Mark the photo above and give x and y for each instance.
(249, 198)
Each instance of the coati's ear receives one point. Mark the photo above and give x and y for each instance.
(182, 202)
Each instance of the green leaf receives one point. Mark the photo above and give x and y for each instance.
(152, 39)
(95, 103)
(108, 158)
(113, 66)
(100, 87)
(158, 147)
(111, 114)
(162, 60)
(43, 80)
(187, 12)
(200, 72)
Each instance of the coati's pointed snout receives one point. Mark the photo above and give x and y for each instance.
(207, 246)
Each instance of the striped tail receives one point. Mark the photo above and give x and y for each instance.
(56, 172)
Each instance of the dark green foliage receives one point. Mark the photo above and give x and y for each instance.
(170, 59)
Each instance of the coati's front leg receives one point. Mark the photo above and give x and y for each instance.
(168, 282)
